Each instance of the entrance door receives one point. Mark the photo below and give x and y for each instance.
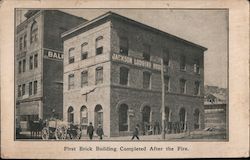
(182, 115)
(98, 116)
(146, 119)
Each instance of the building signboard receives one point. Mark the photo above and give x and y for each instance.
(52, 54)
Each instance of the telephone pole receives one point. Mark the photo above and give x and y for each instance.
(163, 100)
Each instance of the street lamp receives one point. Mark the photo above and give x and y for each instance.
(163, 100)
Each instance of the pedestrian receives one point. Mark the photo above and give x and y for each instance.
(99, 132)
(90, 131)
(136, 132)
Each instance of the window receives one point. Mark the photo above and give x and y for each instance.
(71, 114)
(71, 81)
(84, 78)
(99, 75)
(99, 45)
(124, 75)
(182, 86)
(124, 46)
(196, 88)
(166, 57)
(35, 61)
(35, 87)
(24, 65)
(33, 32)
(167, 83)
(84, 51)
(84, 115)
(25, 41)
(197, 66)
(183, 63)
(31, 62)
(146, 80)
(19, 66)
(146, 52)
(23, 89)
(30, 88)
(19, 91)
(71, 55)
(123, 117)
(20, 43)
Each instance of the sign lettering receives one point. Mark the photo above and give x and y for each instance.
(53, 54)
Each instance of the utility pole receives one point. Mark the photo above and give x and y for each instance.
(163, 100)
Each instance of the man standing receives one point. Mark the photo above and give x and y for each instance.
(100, 132)
(136, 132)
(90, 131)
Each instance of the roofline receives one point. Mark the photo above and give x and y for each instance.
(64, 34)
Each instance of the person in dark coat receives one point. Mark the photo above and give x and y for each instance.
(136, 132)
(90, 131)
(99, 132)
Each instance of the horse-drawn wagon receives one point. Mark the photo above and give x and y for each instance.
(61, 130)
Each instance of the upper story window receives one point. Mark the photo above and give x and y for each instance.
(84, 51)
(146, 80)
(182, 86)
(23, 89)
(99, 75)
(124, 75)
(196, 88)
(71, 81)
(24, 65)
(20, 43)
(196, 66)
(99, 45)
(20, 66)
(35, 87)
(124, 46)
(146, 52)
(33, 32)
(30, 88)
(35, 60)
(19, 94)
(84, 78)
(167, 83)
(183, 62)
(166, 57)
(25, 41)
(31, 62)
(71, 55)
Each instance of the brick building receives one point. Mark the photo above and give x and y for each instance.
(39, 64)
(112, 76)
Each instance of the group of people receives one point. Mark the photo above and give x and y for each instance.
(90, 131)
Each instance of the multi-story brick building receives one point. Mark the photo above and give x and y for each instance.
(39, 64)
(112, 76)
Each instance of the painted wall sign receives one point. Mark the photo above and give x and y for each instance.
(53, 54)
(137, 62)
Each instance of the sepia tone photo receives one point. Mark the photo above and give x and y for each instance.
(121, 74)
(124, 79)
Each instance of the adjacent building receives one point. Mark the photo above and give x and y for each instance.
(112, 76)
(39, 64)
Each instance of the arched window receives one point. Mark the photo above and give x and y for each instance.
(84, 51)
(71, 114)
(71, 55)
(84, 115)
(196, 119)
(146, 80)
(98, 115)
(124, 75)
(33, 32)
(123, 117)
(99, 75)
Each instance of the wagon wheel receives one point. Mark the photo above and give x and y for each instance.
(61, 133)
(45, 133)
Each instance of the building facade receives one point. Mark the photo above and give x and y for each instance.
(112, 76)
(39, 64)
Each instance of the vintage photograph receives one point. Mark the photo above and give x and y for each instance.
(140, 74)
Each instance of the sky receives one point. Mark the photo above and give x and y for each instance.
(208, 28)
